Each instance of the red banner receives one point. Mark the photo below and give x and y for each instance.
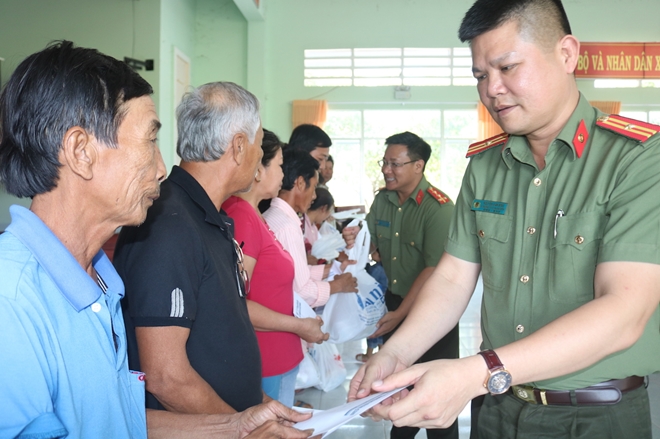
(619, 61)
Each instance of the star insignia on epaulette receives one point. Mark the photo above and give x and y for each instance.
(631, 128)
(440, 196)
(484, 145)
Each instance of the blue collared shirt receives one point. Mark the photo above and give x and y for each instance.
(60, 374)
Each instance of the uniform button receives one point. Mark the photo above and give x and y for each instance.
(520, 329)
(396, 234)
(394, 258)
(537, 182)
(399, 209)
(481, 233)
(96, 307)
(394, 282)
(579, 239)
(524, 279)
(380, 235)
(531, 230)
(412, 243)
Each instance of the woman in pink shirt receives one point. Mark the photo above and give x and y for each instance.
(271, 271)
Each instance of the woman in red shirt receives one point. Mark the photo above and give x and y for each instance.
(271, 271)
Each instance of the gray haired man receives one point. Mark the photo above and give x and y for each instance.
(185, 311)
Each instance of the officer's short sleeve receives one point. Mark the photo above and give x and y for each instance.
(162, 266)
(371, 222)
(632, 230)
(436, 227)
(462, 241)
(26, 382)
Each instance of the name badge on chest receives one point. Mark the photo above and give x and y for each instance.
(496, 207)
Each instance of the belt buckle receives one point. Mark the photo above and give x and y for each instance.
(525, 393)
(543, 398)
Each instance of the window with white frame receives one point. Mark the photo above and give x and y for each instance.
(358, 142)
(408, 66)
(626, 83)
(645, 116)
(388, 67)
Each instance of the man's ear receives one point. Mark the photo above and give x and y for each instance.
(239, 147)
(79, 152)
(300, 184)
(569, 47)
(419, 166)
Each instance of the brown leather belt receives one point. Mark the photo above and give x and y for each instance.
(605, 393)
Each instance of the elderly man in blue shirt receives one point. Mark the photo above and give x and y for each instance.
(78, 136)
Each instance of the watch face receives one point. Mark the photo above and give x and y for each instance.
(499, 382)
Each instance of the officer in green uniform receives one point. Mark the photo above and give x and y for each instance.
(408, 222)
(561, 217)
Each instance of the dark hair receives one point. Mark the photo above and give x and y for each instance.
(418, 149)
(269, 145)
(49, 92)
(297, 163)
(331, 160)
(543, 20)
(309, 137)
(323, 198)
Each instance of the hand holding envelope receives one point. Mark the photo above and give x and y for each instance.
(326, 421)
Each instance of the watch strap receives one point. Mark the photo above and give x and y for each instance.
(493, 362)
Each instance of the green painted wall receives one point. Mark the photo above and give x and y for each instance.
(221, 43)
(118, 28)
(177, 30)
(295, 25)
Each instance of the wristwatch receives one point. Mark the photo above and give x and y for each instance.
(499, 379)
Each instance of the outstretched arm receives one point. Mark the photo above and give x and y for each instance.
(446, 293)
(626, 296)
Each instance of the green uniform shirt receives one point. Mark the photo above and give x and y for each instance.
(604, 205)
(411, 236)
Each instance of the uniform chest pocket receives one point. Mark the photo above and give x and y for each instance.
(574, 252)
(383, 232)
(494, 234)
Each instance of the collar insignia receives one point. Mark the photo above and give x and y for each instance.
(580, 138)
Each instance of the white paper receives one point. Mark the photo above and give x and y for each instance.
(326, 421)
(301, 309)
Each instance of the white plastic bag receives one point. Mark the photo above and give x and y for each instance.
(328, 244)
(332, 371)
(353, 316)
(308, 372)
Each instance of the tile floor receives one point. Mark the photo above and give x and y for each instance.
(470, 339)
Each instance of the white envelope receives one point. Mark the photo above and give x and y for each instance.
(326, 421)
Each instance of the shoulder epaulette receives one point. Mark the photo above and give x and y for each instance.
(631, 128)
(440, 196)
(482, 146)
